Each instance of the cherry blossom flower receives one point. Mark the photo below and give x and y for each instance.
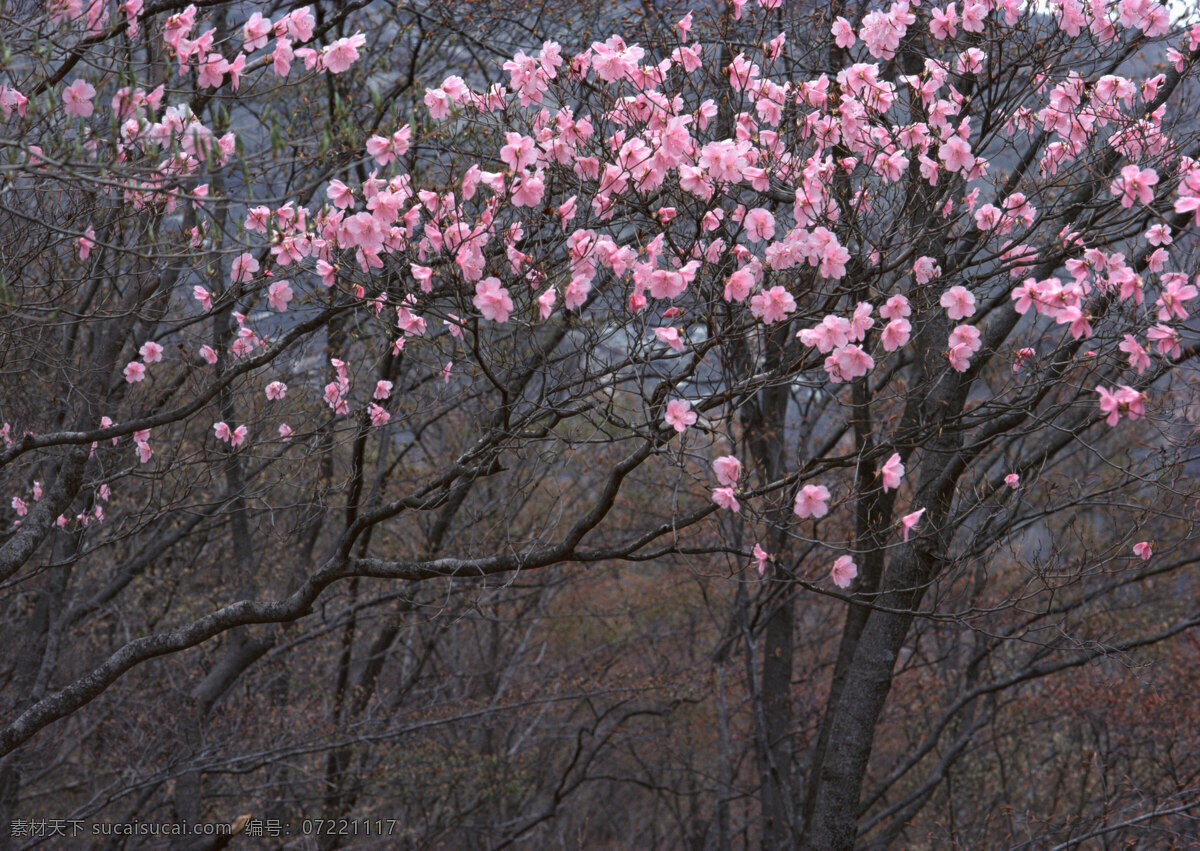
(279, 294)
(276, 390)
(925, 270)
(222, 431)
(759, 224)
(670, 336)
(843, 33)
(760, 557)
(1143, 550)
(959, 302)
(135, 371)
(738, 287)
(895, 334)
(19, 506)
(724, 498)
(208, 353)
(1139, 359)
(908, 521)
(773, 305)
(679, 414)
(77, 98)
(86, 243)
(1125, 400)
(144, 452)
(1012, 480)
(285, 431)
(492, 300)
(343, 53)
(151, 352)
(243, 268)
(891, 472)
(255, 32)
(238, 436)
(843, 572)
(728, 469)
(811, 502)
(378, 414)
(1135, 184)
(383, 390)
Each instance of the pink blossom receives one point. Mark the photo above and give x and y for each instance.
(19, 506)
(1176, 291)
(1135, 184)
(811, 501)
(725, 499)
(670, 336)
(343, 53)
(528, 189)
(1012, 480)
(966, 335)
(738, 287)
(77, 98)
(298, 24)
(1143, 550)
(285, 431)
(851, 362)
(925, 270)
(892, 471)
(279, 294)
(151, 352)
(1167, 339)
(243, 268)
(208, 353)
(222, 431)
(255, 32)
(860, 322)
(831, 333)
(203, 296)
(379, 415)
(679, 414)
(1139, 359)
(759, 224)
(383, 390)
(340, 194)
(959, 302)
(910, 520)
(728, 469)
(276, 390)
(282, 56)
(1125, 400)
(956, 154)
(760, 557)
(843, 33)
(546, 302)
(135, 371)
(212, 71)
(492, 300)
(960, 357)
(145, 453)
(772, 305)
(238, 436)
(843, 571)
(438, 104)
(895, 335)
(86, 243)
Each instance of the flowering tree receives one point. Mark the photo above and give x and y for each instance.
(882, 308)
